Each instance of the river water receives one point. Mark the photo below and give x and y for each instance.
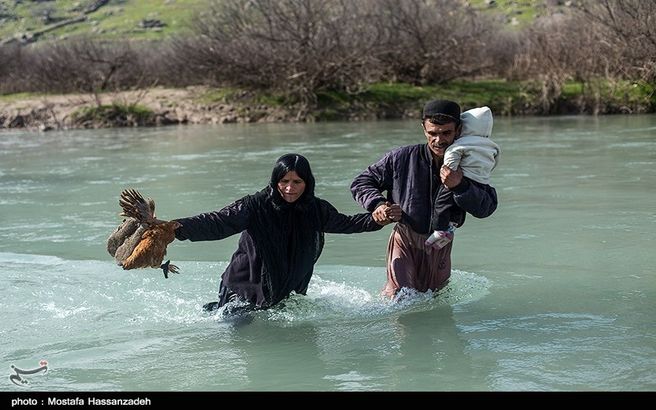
(554, 291)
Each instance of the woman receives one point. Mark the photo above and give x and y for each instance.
(282, 234)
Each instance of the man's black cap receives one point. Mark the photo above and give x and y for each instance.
(436, 108)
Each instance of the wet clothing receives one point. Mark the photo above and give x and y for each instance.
(473, 150)
(279, 244)
(444, 203)
(411, 264)
(475, 153)
(411, 179)
(477, 156)
(476, 161)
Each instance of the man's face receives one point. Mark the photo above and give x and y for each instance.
(440, 136)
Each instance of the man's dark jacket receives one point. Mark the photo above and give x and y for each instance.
(407, 175)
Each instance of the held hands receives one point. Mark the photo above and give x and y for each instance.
(387, 213)
(449, 177)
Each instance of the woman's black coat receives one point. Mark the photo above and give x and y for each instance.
(279, 243)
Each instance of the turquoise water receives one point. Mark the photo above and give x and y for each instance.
(553, 292)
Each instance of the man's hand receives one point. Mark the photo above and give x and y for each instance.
(380, 214)
(449, 177)
(387, 213)
(393, 212)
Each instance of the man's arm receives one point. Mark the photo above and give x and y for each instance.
(478, 199)
(367, 188)
(475, 198)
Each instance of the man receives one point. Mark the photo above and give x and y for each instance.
(412, 176)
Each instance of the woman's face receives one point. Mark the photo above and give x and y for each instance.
(291, 186)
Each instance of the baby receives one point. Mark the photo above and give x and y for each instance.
(477, 155)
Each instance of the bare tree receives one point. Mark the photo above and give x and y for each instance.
(435, 41)
(301, 48)
(12, 76)
(548, 56)
(630, 26)
(597, 45)
(294, 46)
(84, 65)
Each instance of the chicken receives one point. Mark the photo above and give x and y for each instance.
(125, 238)
(141, 240)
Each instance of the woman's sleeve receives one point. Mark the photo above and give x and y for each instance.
(335, 222)
(214, 225)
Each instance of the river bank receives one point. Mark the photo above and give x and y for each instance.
(152, 107)
(203, 105)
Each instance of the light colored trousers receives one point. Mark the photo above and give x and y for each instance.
(411, 264)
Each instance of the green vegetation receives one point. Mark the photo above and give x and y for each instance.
(389, 93)
(266, 63)
(121, 18)
(519, 12)
(28, 17)
(118, 19)
(332, 103)
(7, 98)
(503, 97)
(223, 95)
(114, 115)
(616, 96)
(230, 95)
(625, 90)
(468, 93)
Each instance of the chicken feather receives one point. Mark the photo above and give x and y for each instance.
(146, 245)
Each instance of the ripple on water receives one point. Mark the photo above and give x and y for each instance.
(83, 290)
(329, 301)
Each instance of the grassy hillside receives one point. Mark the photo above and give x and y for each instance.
(116, 19)
(122, 18)
(518, 13)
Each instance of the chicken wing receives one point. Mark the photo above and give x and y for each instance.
(142, 238)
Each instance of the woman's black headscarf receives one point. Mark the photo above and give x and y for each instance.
(287, 236)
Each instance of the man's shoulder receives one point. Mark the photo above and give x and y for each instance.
(406, 150)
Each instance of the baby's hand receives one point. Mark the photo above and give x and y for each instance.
(449, 177)
(439, 239)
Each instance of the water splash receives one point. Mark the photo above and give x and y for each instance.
(80, 293)
(329, 301)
